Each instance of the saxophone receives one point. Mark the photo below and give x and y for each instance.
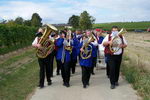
(47, 45)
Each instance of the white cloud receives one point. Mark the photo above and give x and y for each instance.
(60, 10)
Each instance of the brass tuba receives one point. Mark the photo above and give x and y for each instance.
(47, 45)
(87, 49)
(116, 41)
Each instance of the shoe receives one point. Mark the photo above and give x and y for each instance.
(88, 84)
(108, 76)
(58, 73)
(41, 86)
(67, 85)
(112, 86)
(116, 84)
(93, 73)
(49, 83)
(84, 86)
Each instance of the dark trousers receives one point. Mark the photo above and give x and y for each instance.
(86, 73)
(107, 69)
(65, 72)
(114, 63)
(107, 64)
(73, 65)
(94, 61)
(59, 64)
(52, 62)
(45, 68)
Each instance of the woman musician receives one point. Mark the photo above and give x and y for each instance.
(63, 56)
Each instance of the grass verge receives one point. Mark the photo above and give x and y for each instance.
(22, 81)
(138, 77)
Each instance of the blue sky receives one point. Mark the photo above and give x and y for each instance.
(58, 11)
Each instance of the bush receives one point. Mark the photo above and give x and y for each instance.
(15, 37)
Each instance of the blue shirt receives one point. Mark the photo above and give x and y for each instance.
(60, 45)
(85, 62)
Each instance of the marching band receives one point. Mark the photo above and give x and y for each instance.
(86, 47)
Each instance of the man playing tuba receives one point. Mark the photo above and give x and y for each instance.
(41, 43)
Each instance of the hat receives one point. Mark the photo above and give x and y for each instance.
(98, 30)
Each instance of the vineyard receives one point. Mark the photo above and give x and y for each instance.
(15, 37)
(130, 26)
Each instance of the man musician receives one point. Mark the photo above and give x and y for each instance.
(114, 58)
(44, 63)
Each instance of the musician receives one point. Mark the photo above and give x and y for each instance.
(44, 63)
(114, 59)
(86, 64)
(94, 52)
(56, 49)
(63, 58)
(74, 53)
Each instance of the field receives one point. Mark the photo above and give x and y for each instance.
(130, 26)
(136, 65)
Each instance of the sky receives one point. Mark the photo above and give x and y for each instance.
(59, 11)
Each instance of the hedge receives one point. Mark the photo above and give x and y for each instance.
(15, 37)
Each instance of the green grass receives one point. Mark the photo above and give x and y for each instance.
(130, 26)
(147, 40)
(138, 77)
(13, 59)
(22, 81)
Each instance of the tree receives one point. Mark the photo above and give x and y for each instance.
(86, 20)
(36, 20)
(74, 21)
(19, 20)
(27, 22)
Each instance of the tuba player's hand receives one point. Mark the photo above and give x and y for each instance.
(38, 46)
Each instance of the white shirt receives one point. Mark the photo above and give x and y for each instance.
(120, 50)
(35, 41)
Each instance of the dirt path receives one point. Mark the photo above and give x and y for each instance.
(99, 89)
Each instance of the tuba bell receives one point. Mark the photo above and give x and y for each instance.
(87, 49)
(116, 41)
(47, 45)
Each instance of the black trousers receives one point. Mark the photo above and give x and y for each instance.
(52, 62)
(73, 65)
(94, 61)
(107, 64)
(65, 72)
(59, 64)
(107, 69)
(86, 74)
(45, 68)
(114, 63)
